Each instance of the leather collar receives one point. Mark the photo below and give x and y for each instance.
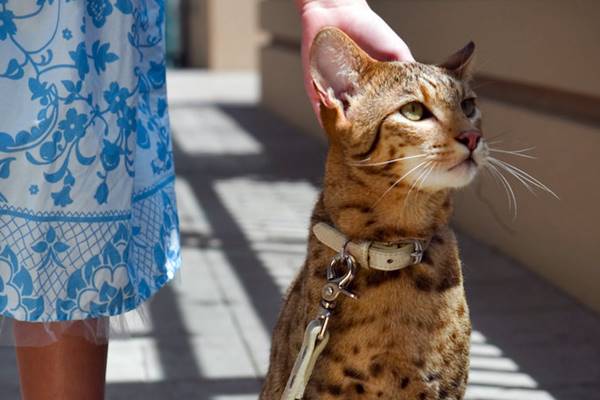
(376, 255)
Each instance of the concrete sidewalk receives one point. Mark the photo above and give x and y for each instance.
(247, 183)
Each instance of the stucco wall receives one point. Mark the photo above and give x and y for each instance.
(539, 85)
(222, 34)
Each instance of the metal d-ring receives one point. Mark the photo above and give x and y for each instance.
(345, 258)
(336, 285)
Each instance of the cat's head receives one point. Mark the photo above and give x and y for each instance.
(424, 116)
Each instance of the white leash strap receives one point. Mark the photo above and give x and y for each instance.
(376, 255)
(305, 362)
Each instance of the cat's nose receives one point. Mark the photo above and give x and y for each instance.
(469, 138)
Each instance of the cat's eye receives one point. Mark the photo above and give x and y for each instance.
(468, 106)
(413, 111)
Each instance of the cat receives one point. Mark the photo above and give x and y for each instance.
(402, 136)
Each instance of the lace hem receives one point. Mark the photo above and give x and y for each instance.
(95, 330)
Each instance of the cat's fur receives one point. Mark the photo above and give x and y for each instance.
(407, 335)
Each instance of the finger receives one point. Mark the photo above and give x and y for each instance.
(400, 52)
(397, 50)
(388, 46)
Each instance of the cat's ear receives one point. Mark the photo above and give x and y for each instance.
(460, 64)
(336, 65)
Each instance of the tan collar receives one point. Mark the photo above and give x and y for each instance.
(375, 255)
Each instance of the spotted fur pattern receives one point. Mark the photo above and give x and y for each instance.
(407, 335)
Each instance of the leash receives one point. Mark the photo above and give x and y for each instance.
(375, 255)
(316, 335)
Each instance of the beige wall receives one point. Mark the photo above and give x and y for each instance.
(223, 34)
(540, 86)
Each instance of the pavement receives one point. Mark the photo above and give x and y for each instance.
(246, 185)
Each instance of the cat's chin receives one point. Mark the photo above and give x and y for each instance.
(462, 174)
(454, 178)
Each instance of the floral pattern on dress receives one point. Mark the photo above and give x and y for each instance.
(16, 289)
(87, 206)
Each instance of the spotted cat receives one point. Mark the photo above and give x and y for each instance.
(402, 136)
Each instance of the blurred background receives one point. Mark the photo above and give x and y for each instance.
(249, 157)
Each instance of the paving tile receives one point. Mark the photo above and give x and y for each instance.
(197, 389)
(7, 357)
(9, 378)
(578, 392)
(524, 295)
(558, 365)
(134, 360)
(199, 87)
(477, 392)
(482, 263)
(565, 327)
(208, 130)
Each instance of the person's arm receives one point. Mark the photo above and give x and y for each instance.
(356, 18)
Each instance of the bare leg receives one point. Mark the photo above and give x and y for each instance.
(71, 368)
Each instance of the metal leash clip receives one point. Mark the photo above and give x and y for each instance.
(336, 285)
(316, 335)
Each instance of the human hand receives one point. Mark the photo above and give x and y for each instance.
(358, 21)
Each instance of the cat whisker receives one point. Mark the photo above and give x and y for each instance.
(510, 194)
(398, 181)
(420, 186)
(423, 174)
(488, 169)
(362, 163)
(493, 138)
(420, 180)
(535, 182)
(518, 153)
(524, 150)
(503, 182)
(426, 176)
(519, 178)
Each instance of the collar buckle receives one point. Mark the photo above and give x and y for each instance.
(417, 254)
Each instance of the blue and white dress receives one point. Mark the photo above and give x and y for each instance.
(88, 220)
